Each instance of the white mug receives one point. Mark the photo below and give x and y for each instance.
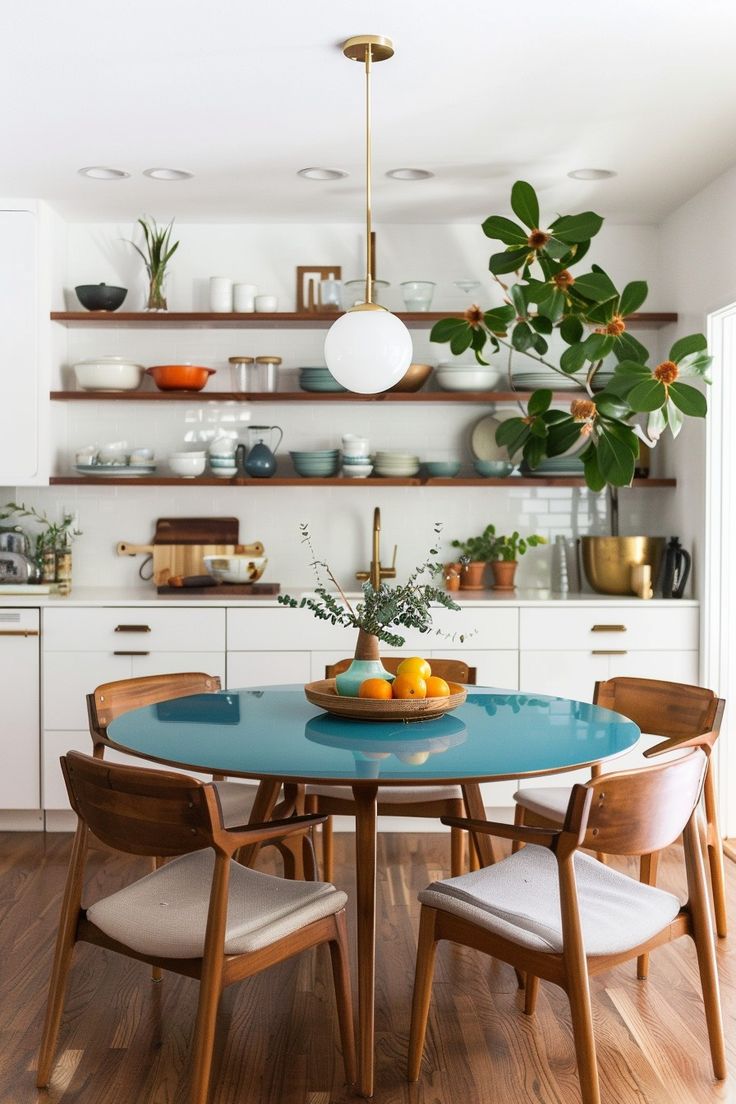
(244, 296)
(266, 304)
(355, 446)
(221, 294)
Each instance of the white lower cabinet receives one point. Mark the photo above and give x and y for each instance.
(267, 668)
(19, 709)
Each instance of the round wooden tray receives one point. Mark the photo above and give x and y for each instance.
(324, 694)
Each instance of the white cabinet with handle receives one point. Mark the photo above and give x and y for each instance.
(19, 725)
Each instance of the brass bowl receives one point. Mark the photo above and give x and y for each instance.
(414, 378)
(607, 561)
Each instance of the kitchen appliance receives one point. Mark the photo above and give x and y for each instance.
(607, 561)
(180, 545)
(15, 540)
(676, 570)
(15, 567)
(260, 463)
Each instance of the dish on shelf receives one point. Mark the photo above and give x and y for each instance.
(318, 464)
(558, 465)
(466, 377)
(318, 378)
(100, 297)
(442, 469)
(483, 440)
(324, 695)
(188, 465)
(125, 470)
(414, 378)
(397, 465)
(235, 568)
(532, 381)
(179, 377)
(357, 471)
(108, 374)
(494, 469)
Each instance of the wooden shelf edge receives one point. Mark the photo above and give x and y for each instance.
(469, 397)
(336, 481)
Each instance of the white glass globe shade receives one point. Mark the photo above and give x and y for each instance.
(368, 351)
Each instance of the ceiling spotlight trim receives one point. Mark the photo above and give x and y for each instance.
(356, 48)
(103, 172)
(318, 172)
(409, 174)
(592, 174)
(163, 173)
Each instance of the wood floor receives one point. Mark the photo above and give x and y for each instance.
(124, 1040)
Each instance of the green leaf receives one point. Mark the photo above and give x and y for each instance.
(512, 433)
(694, 343)
(657, 422)
(573, 359)
(591, 469)
(571, 330)
(553, 306)
(524, 204)
(626, 347)
(503, 229)
(445, 328)
(648, 395)
(539, 344)
(611, 406)
(675, 418)
(596, 286)
(577, 228)
(615, 459)
(601, 313)
(556, 249)
(538, 428)
(563, 436)
(498, 318)
(541, 324)
(536, 290)
(632, 297)
(597, 346)
(539, 401)
(631, 368)
(521, 337)
(625, 434)
(518, 299)
(509, 261)
(535, 451)
(697, 364)
(461, 340)
(689, 400)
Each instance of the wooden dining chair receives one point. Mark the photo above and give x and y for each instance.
(401, 801)
(679, 712)
(561, 915)
(202, 914)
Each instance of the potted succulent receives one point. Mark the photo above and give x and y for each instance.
(376, 615)
(158, 253)
(500, 551)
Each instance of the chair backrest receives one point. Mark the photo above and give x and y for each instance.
(141, 811)
(670, 709)
(111, 699)
(454, 670)
(639, 811)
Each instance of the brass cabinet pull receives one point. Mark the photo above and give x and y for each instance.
(132, 628)
(609, 651)
(19, 632)
(131, 653)
(608, 628)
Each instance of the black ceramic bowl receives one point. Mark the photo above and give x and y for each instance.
(100, 297)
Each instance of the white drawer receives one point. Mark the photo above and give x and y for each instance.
(274, 629)
(610, 628)
(133, 629)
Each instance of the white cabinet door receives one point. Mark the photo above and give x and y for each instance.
(19, 713)
(19, 408)
(67, 679)
(564, 674)
(267, 668)
(174, 663)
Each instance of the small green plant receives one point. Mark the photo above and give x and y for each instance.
(54, 536)
(407, 604)
(489, 546)
(158, 253)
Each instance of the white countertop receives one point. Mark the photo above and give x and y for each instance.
(144, 596)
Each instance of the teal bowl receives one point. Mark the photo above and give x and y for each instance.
(493, 469)
(443, 469)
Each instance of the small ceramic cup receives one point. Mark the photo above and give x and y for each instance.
(141, 456)
(266, 304)
(221, 294)
(355, 446)
(244, 298)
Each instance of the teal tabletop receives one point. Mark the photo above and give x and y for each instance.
(275, 732)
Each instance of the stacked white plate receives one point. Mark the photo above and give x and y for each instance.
(470, 376)
(554, 381)
(396, 465)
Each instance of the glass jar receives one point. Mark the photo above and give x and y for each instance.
(242, 373)
(266, 372)
(64, 571)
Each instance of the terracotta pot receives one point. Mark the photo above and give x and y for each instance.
(503, 574)
(471, 576)
(453, 575)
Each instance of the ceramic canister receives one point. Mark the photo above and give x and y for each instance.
(244, 298)
(221, 294)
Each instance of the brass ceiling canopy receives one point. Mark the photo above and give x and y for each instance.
(356, 48)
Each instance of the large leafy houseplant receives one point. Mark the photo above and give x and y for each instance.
(589, 314)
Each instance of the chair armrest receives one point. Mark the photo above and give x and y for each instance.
(545, 837)
(243, 835)
(675, 744)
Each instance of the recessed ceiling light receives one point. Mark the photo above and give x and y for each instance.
(168, 174)
(409, 174)
(103, 172)
(317, 173)
(591, 174)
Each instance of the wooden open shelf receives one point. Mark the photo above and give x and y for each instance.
(304, 319)
(334, 481)
(303, 396)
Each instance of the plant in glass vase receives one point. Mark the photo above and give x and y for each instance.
(550, 303)
(376, 615)
(158, 253)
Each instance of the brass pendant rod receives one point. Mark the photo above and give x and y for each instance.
(368, 169)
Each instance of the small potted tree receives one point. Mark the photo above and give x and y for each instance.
(506, 553)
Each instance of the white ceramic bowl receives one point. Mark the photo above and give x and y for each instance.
(235, 568)
(478, 378)
(188, 466)
(108, 374)
(357, 471)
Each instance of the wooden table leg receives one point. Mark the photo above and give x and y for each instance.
(365, 869)
(485, 845)
(268, 791)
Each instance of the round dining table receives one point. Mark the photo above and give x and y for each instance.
(275, 735)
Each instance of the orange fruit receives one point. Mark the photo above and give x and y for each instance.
(409, 686)
(375, 688)
(415, 665)
(437, 687)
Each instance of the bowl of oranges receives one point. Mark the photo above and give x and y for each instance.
(415, 694)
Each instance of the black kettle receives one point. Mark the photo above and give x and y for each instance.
(677, 563)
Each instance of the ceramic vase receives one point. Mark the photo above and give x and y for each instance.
(503, 574)
(366, 664)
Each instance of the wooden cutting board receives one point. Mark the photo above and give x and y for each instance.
(180, 545)
(211, 530)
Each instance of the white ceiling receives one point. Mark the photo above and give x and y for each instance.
(244, 93)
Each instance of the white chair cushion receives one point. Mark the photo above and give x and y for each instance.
(519, 898)
(165, 913)
(394, 795)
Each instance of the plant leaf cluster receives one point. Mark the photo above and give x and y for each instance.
(589, 313)
(489, 546)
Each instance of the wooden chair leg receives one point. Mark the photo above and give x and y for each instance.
(210, 985)
(328, 851)
(704, 946)
(473, 857)
(157, 973)
(530, 996)
(65, 940)
(343, 997)
(457, 851)
(715, 853)
(582, 1028)
(309, 858)
(426, 953)
(518, 821)
(577, 984)
(648, 865)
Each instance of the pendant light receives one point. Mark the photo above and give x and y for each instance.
(368, 349)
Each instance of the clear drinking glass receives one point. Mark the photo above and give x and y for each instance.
(418, 294)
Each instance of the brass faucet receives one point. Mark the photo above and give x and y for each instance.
(377, 573)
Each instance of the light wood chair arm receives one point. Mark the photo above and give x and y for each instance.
(704, 742)
(543, 836)
(245, 834)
